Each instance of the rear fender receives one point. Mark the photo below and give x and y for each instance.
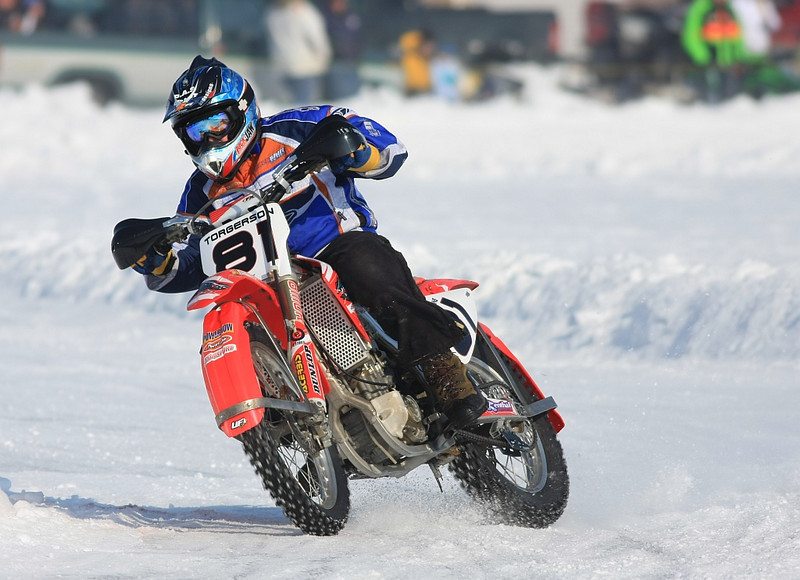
(553, 416)
(438, 285)
(228, 367)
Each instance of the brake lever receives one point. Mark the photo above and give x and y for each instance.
(289, 173)
(179, 228)
(199, 228)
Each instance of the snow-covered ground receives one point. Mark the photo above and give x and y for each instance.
(641, 260)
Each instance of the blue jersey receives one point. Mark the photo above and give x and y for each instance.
(319, 208)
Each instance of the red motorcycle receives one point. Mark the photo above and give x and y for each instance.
(307, 380)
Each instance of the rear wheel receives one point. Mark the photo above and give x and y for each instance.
(527, 487)
(306, 480)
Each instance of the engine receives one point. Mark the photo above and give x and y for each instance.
(364, 371)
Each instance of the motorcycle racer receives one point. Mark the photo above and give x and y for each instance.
(213, 111)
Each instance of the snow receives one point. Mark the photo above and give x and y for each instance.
(642, 261)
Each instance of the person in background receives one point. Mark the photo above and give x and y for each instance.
(760, 20)
(447, 73)
(344, 30)
(712, 36)
(22, 16)
(417, 48)
(300, 47)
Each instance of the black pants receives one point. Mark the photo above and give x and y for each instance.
(377, 277)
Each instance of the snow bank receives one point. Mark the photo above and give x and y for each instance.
(655, 308)
(608, 307)
(6, 508)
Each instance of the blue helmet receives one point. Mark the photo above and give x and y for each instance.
(213, 111)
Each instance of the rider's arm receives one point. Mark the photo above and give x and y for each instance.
(186, 272)
(692, 35)
(386, 152)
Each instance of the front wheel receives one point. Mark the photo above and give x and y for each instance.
(527, 488)
(307, 481)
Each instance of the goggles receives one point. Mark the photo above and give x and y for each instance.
(215, 127)
(210, 130)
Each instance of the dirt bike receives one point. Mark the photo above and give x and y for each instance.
(306, 380)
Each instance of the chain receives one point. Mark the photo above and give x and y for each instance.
(475, 438)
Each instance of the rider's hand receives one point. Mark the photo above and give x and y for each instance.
(155, 263)
(365, 158)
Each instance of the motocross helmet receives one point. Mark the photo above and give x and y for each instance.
(213, 111)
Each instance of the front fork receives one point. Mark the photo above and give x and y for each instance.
(301, 352)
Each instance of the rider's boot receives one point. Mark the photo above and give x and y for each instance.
(459, 399)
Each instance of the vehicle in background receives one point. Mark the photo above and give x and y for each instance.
(132, 50)
(786, 40)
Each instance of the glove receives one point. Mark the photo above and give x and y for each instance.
(361, 160)
(155, 263)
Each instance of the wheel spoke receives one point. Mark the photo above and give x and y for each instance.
(314, 476)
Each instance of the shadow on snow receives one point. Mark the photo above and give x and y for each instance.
(217, 519)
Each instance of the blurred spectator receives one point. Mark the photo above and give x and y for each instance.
(344, 30)
(602, 34)
(634, 46)
(21, 16)
(417, 48)
(712, 36)
(759, 19)
(446, 73)
(300, 47)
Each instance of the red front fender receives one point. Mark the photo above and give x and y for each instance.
(225, 355)
(228, 367)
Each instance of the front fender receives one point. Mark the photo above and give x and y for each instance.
(228, 370)
(238, 286)
(226, 358)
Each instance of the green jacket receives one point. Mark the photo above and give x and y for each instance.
(712, 35)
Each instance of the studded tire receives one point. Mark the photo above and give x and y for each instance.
(287, 492)
(535, 501)
(273, 450)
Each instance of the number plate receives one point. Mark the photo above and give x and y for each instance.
(241, 244)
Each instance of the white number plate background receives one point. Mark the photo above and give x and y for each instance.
(237, 244)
